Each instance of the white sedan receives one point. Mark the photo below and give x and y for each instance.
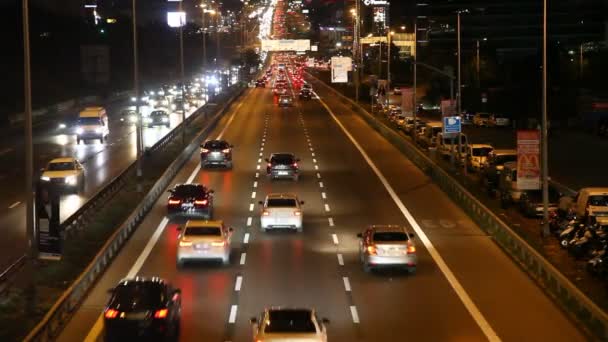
(281, 210)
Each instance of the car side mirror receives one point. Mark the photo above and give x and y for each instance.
(411, 235)
(253, 320)
(360, 235)
(325, 320)
(260, 202)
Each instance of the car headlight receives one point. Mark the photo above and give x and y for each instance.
(98, 130)
(165, 119)
(62, 126)
(79, 130)
(70, 180)
(45, 178)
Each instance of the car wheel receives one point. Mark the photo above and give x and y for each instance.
(263, 229)
(180, 264)
(411, 270)
(296, 177)
(366, 268)
(101, 140)
(77, 141)
(300, 229)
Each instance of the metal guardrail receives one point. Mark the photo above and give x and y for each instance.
(12, 269)
(52, 323)
(573, 301)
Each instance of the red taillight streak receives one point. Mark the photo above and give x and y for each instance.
(171, 201)
(295, 164)
(201, 202)
(162, 313)
(111, 313)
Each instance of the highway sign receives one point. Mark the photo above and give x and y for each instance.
(452, 124)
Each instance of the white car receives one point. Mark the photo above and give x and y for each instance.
(289, 324)
(64, 173)
(476, 156)
(204, 240)
(281, 210)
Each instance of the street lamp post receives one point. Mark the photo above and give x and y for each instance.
(388, 66)
(138, 125)
(477, 65)
(217, 40)
(414, 104)
(29, 146)
(545, 157)
(211, 12)
(181, 64)
(459, 92)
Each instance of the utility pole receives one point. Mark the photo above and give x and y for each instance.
(29, 145)
(581, 60)
(204, 37)
(181, 63)
(477, 66)
(415, 104)
(357, 42)
(388, 64)
(459, 99)
(545, 157)
(138, 124)
(217, 38)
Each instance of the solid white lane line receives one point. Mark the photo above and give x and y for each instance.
(318, 175)
(246, 238)
(323, 195)
(253, 194)
(249, 219)
(334, 237)
(238, 283)
(473, 310)
(250, 206)
(257, 167)
(316, 167)
(346, 284)
(14, 205)
(331, 221)
(320, 184)
(326, 207)
(243, 258)
(340, 259)
(219, 137)
(194, 173)
(354, 314)
(233, 311)
(255, 184)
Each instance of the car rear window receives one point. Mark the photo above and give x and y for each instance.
(505, 159)
(598, 200)
(189, 190)
(390, 236)
(281, 202)
(64, 166)
(291, 321)
(131, 296)
(216, 145)
(89, 121)
(282, 159)
(203, 231)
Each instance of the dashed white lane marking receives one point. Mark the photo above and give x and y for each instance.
(262, 145)
(316, 167)
(354, 314)
(246, 238)
(243, 258)
(314, 160)
(261, 148)
(253, 194)
(468, 303)
(250, 206)
(260, 154)
(323, 195)
(263, 139)
(313, 154)
(318, 175)
(334, 237)
(232, 317)
(340, 259)
(14, 205)
(320, 184)
(311, 149)
(346, 284)
(259, 160)
(257, 175)
(255, 184)
(238, 283)
(326, 207)
(257, 167)
(331, 221)
(249, 219)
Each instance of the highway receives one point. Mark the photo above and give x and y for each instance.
(102, 162)
(465, 288)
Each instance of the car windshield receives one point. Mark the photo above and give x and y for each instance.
(390, 236)
(216, 145)
(132, 296)
(189, 190)
(598, 200)
(92, 121)
(158, 113)
(281, 202)
(62, 166)
(505, 158)
(481, 151)
(282, 159)
(203, 231)
(289, 321)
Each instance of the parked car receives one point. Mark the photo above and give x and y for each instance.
(531, 202)
(494, 165)
(476, 155)
(387, 246)
(397, 91)
(481, 119)
(497, 120)
(429, 137)
(510, 193)
(445, 147)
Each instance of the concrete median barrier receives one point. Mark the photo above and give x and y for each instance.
(573, 301)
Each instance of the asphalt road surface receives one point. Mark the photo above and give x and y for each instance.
(465, 289)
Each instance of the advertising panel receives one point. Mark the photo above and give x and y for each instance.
(528, 159)
(407, 101)
(339, 69)
(285, 44)
(176, 19)
(448, 108)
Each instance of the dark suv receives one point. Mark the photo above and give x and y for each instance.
(190, 200)
(216, 153)
(142, 308)
(282, 165)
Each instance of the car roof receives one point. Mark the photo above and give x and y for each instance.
(434, 124)
(204, 223)
(62, 160)
(139, 279)
(387, 228)
(282, 154)
(480, 145)
(281, 195)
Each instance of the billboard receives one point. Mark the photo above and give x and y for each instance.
(285, 44)
(176, 19)
(339, 69)
(448, 108)
(528, 159)
(407, 101)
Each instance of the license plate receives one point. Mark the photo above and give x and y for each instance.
(187, 205)
(283, 173)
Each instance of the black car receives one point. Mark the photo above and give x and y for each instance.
(282, 165)
(190, 200)
(260, 83)
(216, 153)
(157, 118)
(305, 94)
(142, 308)
(531, 202)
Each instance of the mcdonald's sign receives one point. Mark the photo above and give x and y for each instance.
(528, 159)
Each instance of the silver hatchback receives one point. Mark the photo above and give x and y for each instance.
(387, 246)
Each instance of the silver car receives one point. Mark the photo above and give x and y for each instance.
(281, 211)
(289, 324)
(204, 240)
(387, 246)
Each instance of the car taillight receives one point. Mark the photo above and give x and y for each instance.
(185, 243)
(162, 313)
(226, 150)
(269, 165)
(297, 213)
(174, 201)
(371, 250)
(265, 213)
(201, 202)
(111, 313)
(204, 150)
(411, 249)
(295, 164)
(218, 244)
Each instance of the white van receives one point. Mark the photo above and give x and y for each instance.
(592, 202)
(92, 124)
(428, 139)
